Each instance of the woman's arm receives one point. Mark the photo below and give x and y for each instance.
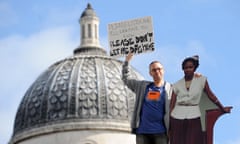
(173, 101)
(213, 98)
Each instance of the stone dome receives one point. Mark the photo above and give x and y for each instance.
(84, 91)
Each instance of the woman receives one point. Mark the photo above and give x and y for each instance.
(185, 124)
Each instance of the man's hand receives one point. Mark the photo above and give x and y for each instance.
(129, 57)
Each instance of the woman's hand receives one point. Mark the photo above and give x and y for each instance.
(227, 109)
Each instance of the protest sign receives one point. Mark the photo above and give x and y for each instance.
(135, 36)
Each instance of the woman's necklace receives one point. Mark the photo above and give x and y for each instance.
(187, 84)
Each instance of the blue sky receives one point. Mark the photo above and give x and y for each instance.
(36, 34)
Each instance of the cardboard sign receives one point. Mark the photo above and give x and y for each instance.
(153, 95)
(135, 36)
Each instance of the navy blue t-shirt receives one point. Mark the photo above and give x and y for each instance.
(153, 110)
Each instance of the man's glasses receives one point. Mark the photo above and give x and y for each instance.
(156, 69)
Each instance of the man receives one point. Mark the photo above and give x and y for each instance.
(150, 120)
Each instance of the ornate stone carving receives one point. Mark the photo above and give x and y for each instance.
(79, 88)
(58, 97)
(87, 92)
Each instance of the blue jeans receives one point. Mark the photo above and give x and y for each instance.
(151, 139)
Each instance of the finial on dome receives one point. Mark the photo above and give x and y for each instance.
(89, 6)
(89, 33)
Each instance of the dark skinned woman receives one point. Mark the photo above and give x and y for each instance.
(185, 123)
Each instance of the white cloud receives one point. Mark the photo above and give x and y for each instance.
(49, 45)
(38, 50)
(23, 59)
(6, 125)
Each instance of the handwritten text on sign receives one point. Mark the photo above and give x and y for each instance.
(135, 36)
